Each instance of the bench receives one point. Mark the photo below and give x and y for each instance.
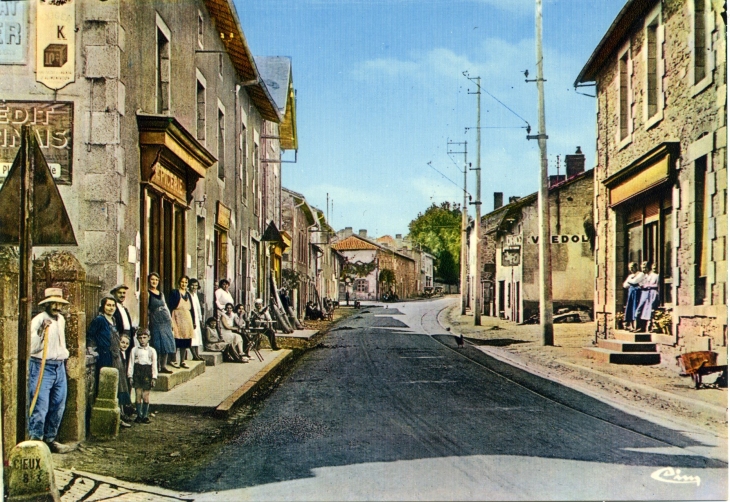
(698, 364)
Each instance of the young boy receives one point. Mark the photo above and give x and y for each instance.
(142, 373)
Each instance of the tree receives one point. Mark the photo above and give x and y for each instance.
(438, 231)
(387, 276)
(448, 268)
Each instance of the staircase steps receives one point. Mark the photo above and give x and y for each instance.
(168, 381)
(212, 358)
(626, 348)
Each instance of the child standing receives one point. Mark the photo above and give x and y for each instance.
(143, 374)
(126, 403)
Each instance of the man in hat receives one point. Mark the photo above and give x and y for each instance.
(260, 318)
(122, 318)
(48, 341)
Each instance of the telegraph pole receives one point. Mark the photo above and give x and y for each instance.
(478, 204)
(546, 286)
(464, 221)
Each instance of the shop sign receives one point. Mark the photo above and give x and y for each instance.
(511, 257)
(52, 123)
(563, 239)
(223, 216)
(55, 42)
(512, 240)
(13, 31)
(168, 181)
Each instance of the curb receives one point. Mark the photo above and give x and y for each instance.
(244, 392)
(134, 488)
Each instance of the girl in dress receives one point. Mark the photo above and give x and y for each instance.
(649, 300)
(142, 373)
(183, 318)
(160, 323)
(633, 284)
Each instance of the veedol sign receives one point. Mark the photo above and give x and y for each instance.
(52, 123)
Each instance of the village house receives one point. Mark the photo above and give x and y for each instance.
(661, 173)
(510, 254)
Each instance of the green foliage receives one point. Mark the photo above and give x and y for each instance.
(357, 269)
(438, 231)
(448, 268)
(387, 276)
(291, 279)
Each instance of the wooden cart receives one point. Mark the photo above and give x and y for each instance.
(698, 364)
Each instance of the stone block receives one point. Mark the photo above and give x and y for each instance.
(104, 422)
(212, 358)
(102, 187)
(97, 216)
(94, 33)
(169, 381)
(101, 247)
(102, 61)
(104, 128)
(31, 473)
(104, 11)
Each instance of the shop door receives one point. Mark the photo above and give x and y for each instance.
(501, 299)
(166, 243)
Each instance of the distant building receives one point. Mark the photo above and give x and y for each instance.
(661, 175)
(510, 251)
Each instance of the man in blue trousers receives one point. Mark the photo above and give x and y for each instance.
(48, 341)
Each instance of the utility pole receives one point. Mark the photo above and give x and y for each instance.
(464, 221)
(478, 204)
(546, 286)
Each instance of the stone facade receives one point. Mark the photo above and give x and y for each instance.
(661, 174)
(511, 240)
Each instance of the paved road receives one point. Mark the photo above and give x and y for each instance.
(388, 408)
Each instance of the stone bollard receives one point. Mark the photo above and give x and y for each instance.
(31, 473)
(104, 423)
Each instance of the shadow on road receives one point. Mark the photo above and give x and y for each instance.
(384, 396)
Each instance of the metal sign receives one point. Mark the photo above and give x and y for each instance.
(55, 42)
(13, 31)
(511, 257)
(52, 125)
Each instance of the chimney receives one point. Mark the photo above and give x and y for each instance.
(347, 232)
(514, 198)
(498, 200)
(363, 232)
(575, 164)
(398, 236)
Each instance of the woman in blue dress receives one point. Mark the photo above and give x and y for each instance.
(103, 338)
(160, 323)
(633, 284)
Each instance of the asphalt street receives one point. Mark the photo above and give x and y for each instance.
(389, 408)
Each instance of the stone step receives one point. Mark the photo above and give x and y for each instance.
(611, 356)
(212, 358)
(168, 381)
(622, 346)
(629, 336)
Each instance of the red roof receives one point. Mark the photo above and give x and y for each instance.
(353, 243)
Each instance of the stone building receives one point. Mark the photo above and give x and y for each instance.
(163, 133)
(661, 174)
(365, 259)
(511, 249)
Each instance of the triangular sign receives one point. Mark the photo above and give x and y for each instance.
(51, 225)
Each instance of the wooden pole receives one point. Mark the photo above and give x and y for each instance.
(27, 170)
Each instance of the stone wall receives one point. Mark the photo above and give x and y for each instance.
(9, 308)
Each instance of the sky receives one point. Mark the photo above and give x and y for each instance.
(381, 92)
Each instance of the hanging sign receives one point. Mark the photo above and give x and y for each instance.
(55, 42)
(52, 124)
(13, 31)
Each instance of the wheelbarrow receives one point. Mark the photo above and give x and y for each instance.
(698, 364)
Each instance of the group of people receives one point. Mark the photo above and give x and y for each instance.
(138, 354)
(643, 297)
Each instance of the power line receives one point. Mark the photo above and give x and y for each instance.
(449, 179)
(466, 74)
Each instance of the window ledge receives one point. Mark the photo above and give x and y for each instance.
(625, 142)
(701, 85)
(652, 121)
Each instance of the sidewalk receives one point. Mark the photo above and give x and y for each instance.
(658, 390)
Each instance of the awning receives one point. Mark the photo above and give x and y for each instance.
(645, 173)
(273, 235)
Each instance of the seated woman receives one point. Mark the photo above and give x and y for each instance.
(213, 342)
(228, 330)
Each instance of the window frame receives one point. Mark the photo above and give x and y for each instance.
(200, 81)
(201, 30)
(221, 138)
(698, 86)
(654, 18)
(621, 140)
(161, 28)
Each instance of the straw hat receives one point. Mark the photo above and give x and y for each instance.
(53, 295)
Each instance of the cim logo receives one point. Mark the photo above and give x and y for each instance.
(671, 475)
